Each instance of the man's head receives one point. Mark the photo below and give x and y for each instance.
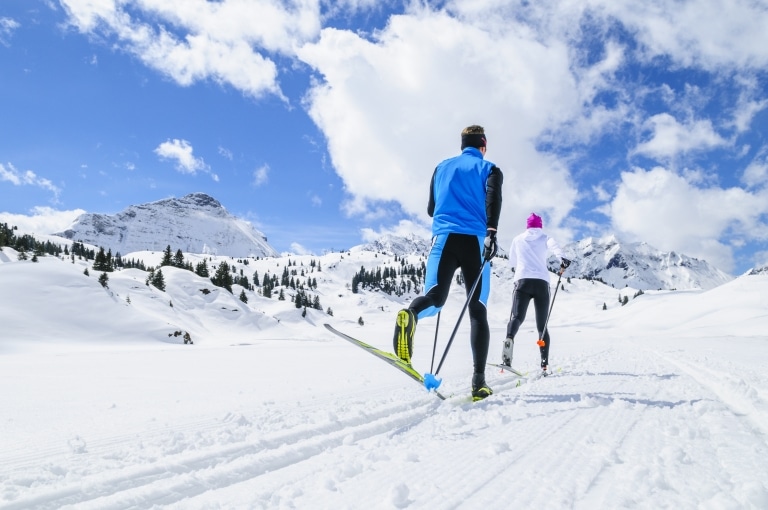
(473, 136)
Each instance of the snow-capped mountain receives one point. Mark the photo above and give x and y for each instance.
(758, 270)
(398, 245)
(195, 223)
(639, 265)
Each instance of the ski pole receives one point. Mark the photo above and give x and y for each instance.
(430, 380)
(434, 347)
(540, 342)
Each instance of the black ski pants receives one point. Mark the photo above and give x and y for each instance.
(528, 289)
(449, 253)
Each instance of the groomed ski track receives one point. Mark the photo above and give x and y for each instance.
(624, 423)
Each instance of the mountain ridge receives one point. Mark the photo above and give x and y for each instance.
(194, 223)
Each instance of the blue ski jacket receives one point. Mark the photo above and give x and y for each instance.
(465, 195)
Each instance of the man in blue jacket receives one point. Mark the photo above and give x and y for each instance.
(465, 204)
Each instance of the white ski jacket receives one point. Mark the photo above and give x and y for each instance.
(528, 254)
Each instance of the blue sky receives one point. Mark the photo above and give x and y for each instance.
(321, 122)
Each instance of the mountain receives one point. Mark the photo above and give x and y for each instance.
(398, 245)
(758, 270)
(195, 223)
(639, 265)
(635, 265)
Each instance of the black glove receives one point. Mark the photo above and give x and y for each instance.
(490, 245)
(564, 263)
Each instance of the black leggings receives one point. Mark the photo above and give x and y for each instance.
(525, 290)
(461, 251)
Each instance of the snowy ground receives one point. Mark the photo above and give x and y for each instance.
(662, 403)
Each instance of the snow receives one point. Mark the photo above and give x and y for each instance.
(660, 403)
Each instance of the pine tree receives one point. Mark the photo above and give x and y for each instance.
(202, 269)
(223, 277)
(178, 259)
(158, 280)
(102, 262)
(167, 257)
(103, 280)
(243, 297)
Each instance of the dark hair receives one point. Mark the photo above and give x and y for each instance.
(473, 136)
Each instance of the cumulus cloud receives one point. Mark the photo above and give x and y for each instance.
(668, 137)
(756, 173)
(393, 107)
(228, 41)
(669, 212)
(181, 152)
(42, 220)
(710, 34)
(544, 78)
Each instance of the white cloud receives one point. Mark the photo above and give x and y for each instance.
(392, 108)
(42, 220)
(756, 173)
(669, 138)
(181, 152)
(261, 176)
(671, 213)
(711, 34)
(226, 153)
(298, 249)
(190, 40)
(27, 178)
(391, 104)
(7, 27)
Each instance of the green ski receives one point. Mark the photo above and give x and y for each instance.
(390, 358)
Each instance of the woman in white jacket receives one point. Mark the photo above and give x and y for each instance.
(528, 255)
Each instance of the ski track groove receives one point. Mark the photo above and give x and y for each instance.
(173, 480)
(742, 398)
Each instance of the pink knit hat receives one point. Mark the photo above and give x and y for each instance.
(534, 221)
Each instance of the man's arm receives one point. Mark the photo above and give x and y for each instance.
(431, 203)
(493, 198)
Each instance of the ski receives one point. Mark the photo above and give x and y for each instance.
(507, 369)
(390, 358)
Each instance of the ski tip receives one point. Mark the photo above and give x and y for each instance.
(431, 382)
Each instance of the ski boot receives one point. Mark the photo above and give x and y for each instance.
(506, 352)
(480, 389)
(404, 329)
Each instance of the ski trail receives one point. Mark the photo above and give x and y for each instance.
(732, 389)
(618, 428)
(179, 474)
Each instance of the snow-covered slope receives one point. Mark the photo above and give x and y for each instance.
(659, 403)
(195, 223)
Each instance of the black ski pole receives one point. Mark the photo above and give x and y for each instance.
(540, 342)
(461, 315)
(434, 347)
